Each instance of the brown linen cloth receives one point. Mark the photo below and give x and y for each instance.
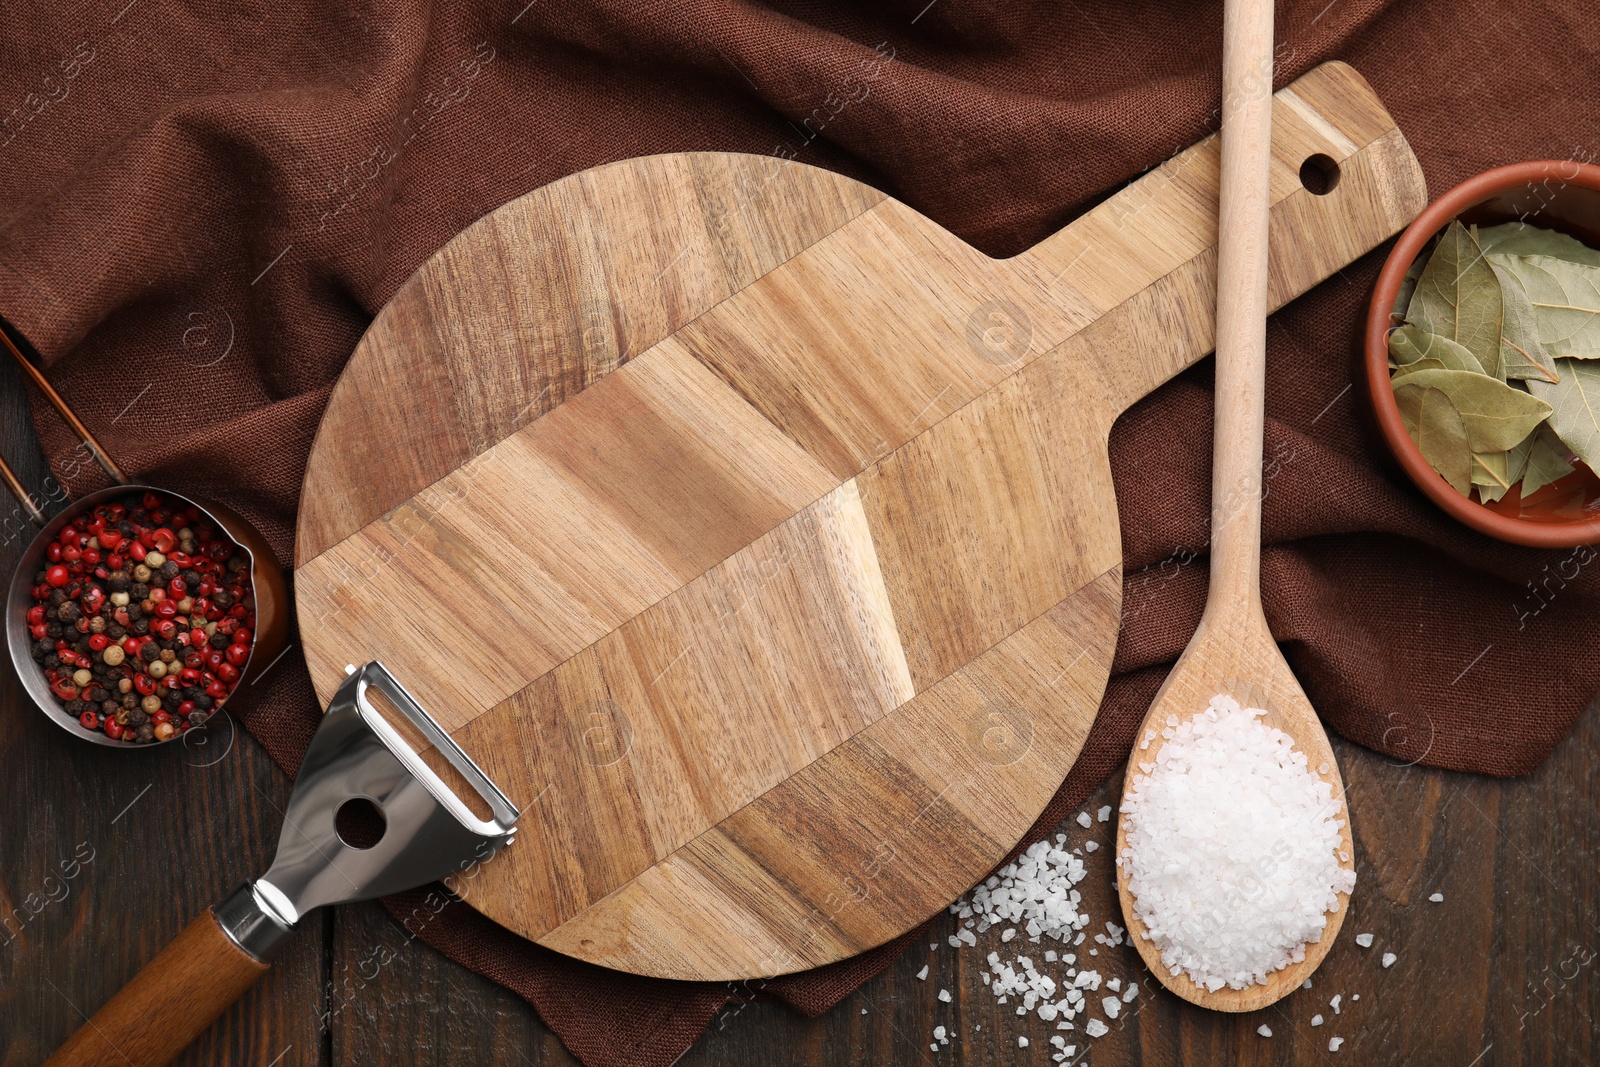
(203, 208)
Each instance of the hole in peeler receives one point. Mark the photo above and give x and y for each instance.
(1319, 174)
(360, 823)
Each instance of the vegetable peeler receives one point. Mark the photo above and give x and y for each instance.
(357, 758)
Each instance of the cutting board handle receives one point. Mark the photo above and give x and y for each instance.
(142, 1026)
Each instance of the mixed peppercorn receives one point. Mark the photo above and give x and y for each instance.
(142, 618)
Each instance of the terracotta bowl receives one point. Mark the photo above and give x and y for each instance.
(1553, 194)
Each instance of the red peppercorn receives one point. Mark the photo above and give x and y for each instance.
(242, 636)
(110, 539)
(71, 553)
(161, 716)
(216, 690)
(152, 502)
(39, 630)
(197, 638)
(98, 642)
(56, 576)
(163, 540)
(184, 708)
(214, 659)
(145, 684)
(113, 729)
(69, 536)
(195, 660)
(90, 720)
(36, 614)
(136, 550)
(188, 678)
(63, 688)
(228, 673)
(237, 655)
(166, 629)
(91, 557)
(52, 552)
(167, 608)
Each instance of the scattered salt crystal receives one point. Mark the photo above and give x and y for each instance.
(1316, 1020)
(1104, 813)
(1389, 958)
(933, 1046)
(1306, 984)
(1354, 997)
(1334, 1003)
(1364, 940)
(1437, 898)
(1229, 797)
(1334, 1043)
(1111, 1005)
(922, 975)
(1264, 1030)
(1008, 933)
(1090, 846)
(967, 937)
(938, 1033)
(1083, 819)
(1050, 955)
(955, 942)
(1070, 1051)
(1022, 1042)
(944, 996)
(1096, 1028)
(1113, 984)
(1131, 992)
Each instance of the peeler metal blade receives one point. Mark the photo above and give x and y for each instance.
(357, 754)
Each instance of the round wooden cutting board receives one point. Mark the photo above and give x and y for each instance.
(758, 537)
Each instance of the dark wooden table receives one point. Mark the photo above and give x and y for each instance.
(104, 856)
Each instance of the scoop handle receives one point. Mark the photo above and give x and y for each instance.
(139, 1027)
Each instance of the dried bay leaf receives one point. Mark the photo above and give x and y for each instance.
(1565, 298)
(1497, 416)
(1547, 462)
(1575, 407)
(1437, 428)
(1521, 239)
(1408, 285)
(1409, 344)
(1458, 297)
(1522, 354)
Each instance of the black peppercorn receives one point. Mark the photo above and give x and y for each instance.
(58, 597)
(149, 652)
(198, 717)
(220, 640)
(119, 581)
(191, 579)
(203, 702)
(130, 700)
(116, 631)
(141, 627)
(222, 599)
(99, 695)
(139, 591)
(145, 733)
(77, 707)
(110, 707)
(43, 647)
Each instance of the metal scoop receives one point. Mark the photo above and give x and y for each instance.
(356, 758)
(269, 591)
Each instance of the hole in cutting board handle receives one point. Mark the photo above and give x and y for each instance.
(360, 823)
(1319, 174)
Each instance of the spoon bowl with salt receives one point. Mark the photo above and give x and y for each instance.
(1233, 825)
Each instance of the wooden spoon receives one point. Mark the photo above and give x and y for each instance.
(1233, 651)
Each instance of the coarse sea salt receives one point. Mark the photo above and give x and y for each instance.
(1232, 848)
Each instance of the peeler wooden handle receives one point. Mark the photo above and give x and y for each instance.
(139, 1028)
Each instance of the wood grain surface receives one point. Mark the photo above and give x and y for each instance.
(1502, 972)
(822, 577)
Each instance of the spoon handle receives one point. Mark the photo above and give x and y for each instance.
(1244, 209)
